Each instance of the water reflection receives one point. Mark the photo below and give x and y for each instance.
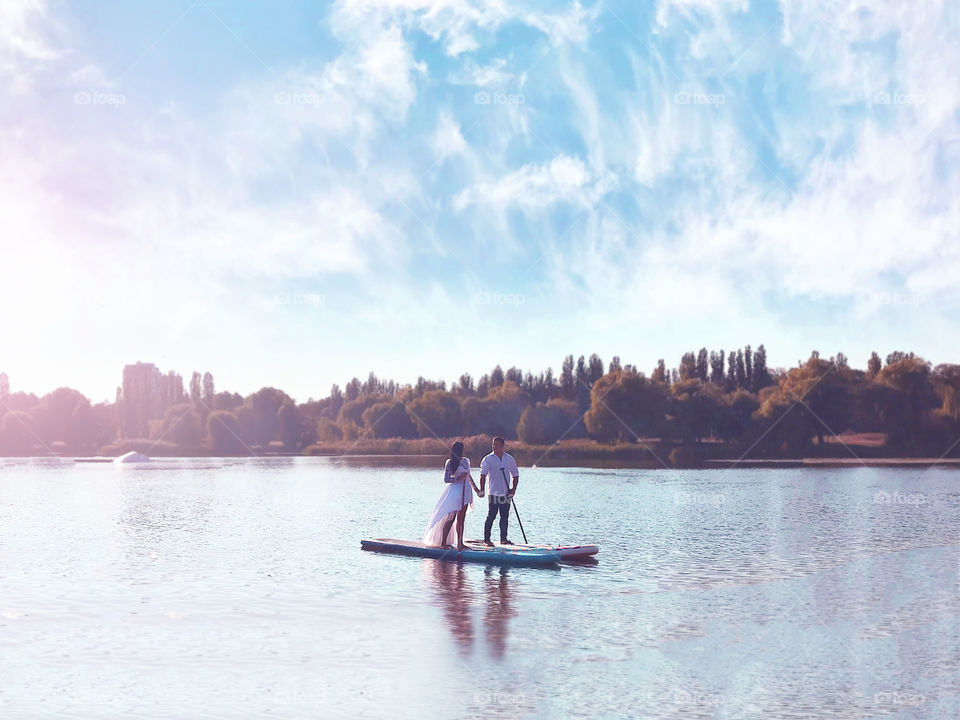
(498, 592)
(452, 587)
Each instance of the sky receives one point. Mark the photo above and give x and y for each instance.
(294, 193)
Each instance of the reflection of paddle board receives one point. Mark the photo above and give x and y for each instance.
(498, 555)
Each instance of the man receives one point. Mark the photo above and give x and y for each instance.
(500, 466)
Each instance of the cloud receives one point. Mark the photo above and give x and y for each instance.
(536, 187)
(447, 139)
(24, 47)
(459, 23)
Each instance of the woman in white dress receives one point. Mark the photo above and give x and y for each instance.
(454, 502)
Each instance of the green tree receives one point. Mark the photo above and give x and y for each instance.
(437, 413)
(907, 408)
(388, 419)
(566, 377)
(208, 389)
(294, 429)
(688, 367)
(17, 436)
(873, 366)
(328, 430)
(624, 406)
(530, 429)
(761, 376)
(180, 425)
(703, 365)
(223, 433)
(660, 373)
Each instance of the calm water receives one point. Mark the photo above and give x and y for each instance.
(212, 588)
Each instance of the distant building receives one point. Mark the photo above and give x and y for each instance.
(140, 399)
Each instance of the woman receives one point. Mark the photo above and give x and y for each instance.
(453, 503)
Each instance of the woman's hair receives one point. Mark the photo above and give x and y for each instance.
(456, 455)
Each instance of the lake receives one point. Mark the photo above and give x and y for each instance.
(237, 588)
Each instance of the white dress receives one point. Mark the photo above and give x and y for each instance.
(458, 494)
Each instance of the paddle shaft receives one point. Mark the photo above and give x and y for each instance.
(515, 511)
(463, 499)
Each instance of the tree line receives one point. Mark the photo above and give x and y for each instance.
(729, 397)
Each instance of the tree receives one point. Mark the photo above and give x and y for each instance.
(694, 409)
(615, 365)
(898, 355)
(294, 430)
(530, 429)
(436, 414)
(873, 366)
(660, 373)
(208, 390)
(180, 426)
(741, 371)
(353, 410)
(566, 377)
(906, 409)
(761, 376)
(716, 368)
(52, 417)
(496, 377)
(388, 419)
(748, 367)
(946, 382)
(465, 385)
(735, 414)
(594, 370)
(336, 400)
(328, 430)
(195, 384)
(264, 405)
(17, 436)
(731, 370)
(546, 423)
(703, 365)
(624, 406)
(507, 405)
(582, 385)
(223, 433)
(688, 367)
(352, 390)
(820, 392)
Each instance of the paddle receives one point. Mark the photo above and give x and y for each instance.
(463, 499)
(512, 502)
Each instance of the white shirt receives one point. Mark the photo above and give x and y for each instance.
(492, 465)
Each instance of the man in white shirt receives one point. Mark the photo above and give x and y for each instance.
(500, 466)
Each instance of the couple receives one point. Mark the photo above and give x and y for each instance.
(458, 497)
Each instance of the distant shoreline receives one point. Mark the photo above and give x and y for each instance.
(566, 459)
(847, 451)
